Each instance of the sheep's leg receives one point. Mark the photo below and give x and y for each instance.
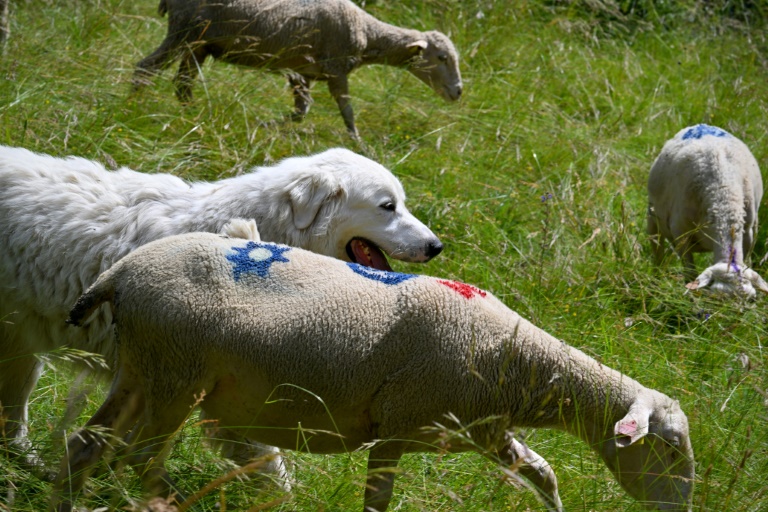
(685, 251)
(382, 463)
(18, 377)
(154, 63)
(148, 444)
(748, 240)
(85, 447)
(302, 98)
(189, 67)
(657, 243)
(339, 89)
(536, 470)
(242, 451)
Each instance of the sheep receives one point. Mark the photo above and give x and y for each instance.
(318, 40)
(704, 191)
(527, 462)
(328, 356)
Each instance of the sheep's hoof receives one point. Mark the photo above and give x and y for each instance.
(140, 80)
(32, 463)
(297, 117)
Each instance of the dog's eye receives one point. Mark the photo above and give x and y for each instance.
(389, 206)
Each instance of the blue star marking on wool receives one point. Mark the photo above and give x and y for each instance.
(256, 258)
(700, 130)
(383, 276)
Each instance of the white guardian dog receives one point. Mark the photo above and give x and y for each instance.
(64, 221)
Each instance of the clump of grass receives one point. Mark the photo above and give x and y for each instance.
(573, 99)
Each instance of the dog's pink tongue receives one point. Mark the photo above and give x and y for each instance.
(369, 255)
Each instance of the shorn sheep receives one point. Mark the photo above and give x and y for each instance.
(64, 221)
(704, 191)
(310, 41)
(295, 343)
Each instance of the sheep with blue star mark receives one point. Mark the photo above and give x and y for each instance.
(358, 359)
(704, 192)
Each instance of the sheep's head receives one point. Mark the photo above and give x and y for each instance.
(650, 454)
(436, 63)
(729, 279)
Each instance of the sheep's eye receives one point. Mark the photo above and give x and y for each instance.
(388, 206)
(443, 58)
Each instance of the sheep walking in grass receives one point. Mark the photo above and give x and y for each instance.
(337, 356)
(704, 191)
(310, 40)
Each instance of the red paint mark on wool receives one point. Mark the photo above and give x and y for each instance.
(467, 290)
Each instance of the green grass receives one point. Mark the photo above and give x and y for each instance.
(568, 98)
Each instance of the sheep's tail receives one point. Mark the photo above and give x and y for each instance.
(163, 7)
(100, 292)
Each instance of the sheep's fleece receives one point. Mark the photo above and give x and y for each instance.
(64, 221)
(704, 192)
(310, 40)
(279, 337)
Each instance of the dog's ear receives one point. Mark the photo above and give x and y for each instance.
(309, 193)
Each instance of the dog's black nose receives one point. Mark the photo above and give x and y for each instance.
(434, 248)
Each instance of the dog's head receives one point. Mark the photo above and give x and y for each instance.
(344, 205)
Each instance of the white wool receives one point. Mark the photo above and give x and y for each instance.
(63, 221)
(279, 337)
(704, 192)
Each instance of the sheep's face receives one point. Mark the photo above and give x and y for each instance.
(730, 279)
(651, 456)
(436, 63)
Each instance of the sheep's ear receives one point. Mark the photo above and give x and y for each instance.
(700, 282)
(633, 427)
(417, 47)
(308, 194)
(757, 281)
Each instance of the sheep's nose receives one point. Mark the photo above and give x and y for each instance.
(458, 92)
(434, 248)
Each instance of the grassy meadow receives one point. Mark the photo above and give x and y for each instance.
(535, 182)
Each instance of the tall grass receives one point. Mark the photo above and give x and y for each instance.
(535, 183)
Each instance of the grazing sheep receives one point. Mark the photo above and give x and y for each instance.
(328, 357)
(704, 191)
(64, 221)
(317, 40)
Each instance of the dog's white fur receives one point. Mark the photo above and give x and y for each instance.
(64, 221)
